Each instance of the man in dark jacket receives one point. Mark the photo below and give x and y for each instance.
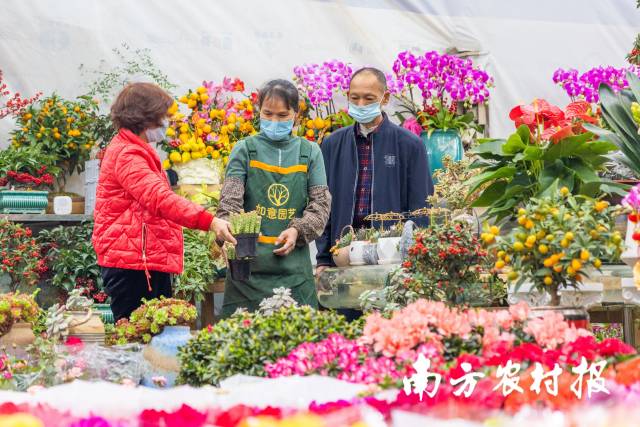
(374, 166)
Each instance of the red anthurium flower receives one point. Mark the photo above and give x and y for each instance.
(539, 112)
(557, 133)
(580, 110)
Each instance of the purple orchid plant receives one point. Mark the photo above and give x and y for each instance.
(442, 81)
(585, 86)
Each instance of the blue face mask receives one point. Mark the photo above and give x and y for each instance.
(276, 131)
(157, 135)
(365, 113)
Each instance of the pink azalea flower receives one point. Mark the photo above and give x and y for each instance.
(412, 125)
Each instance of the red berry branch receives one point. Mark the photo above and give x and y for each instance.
(14, 103)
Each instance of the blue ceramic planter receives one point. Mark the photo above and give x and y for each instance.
(440, 144)
(162, 354)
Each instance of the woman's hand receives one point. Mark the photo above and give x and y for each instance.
(287, 239)
(222, 229)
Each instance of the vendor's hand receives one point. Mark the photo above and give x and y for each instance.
(222, 229)
(287, 239)
(320, 269)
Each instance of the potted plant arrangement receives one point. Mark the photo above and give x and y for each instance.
(240, 268)
(340, 251)
(445, 263)
(62, 128)
(199, 142)
(550, 149)
(21, 263)
(18, 313)
(200, 266)
(388, 244)
(244, 342)
(72, 264)
(559, 239)
(443, 82)
(26, 173)
(75, 318)
(318, 85)
(163, 324)
(245, 227)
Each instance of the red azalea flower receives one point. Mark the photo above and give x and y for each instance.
(233, 416)
(614, 347)
(74, 344)
(151, 418)
(457, 372)
(186, 416)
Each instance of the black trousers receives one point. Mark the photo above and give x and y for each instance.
(127, 288)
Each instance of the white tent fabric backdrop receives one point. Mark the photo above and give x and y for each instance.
(521, 43)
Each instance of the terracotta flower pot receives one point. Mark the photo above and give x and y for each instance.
(21, 335)
(87, 326)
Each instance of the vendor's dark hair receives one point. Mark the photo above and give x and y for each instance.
(140, 106)
(281, 89)
(377, 73)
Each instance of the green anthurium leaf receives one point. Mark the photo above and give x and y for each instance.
(552, 188)
(566, 147)
(525, 133)
(478, 180)
(491, 146)
(634, 85)
(513, 145)
(591, 189)
(582, 171)
(530, 153)
(490, 194)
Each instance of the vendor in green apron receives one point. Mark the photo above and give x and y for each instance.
(283, 178)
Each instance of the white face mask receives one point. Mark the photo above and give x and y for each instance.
(157, 135)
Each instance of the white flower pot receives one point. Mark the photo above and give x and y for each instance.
(388, 251)
(631, 255)
(362, 253)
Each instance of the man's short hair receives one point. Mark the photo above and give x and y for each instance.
(377, 73)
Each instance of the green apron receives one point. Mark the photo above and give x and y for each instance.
(278, 194)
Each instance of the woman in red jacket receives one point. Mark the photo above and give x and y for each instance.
(138, 219)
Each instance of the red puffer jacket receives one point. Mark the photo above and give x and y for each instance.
(138, 219)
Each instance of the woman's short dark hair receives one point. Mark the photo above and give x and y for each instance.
(283, 90)
(140, 106)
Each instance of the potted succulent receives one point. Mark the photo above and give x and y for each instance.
(340, 251)
(75, 318)
(245, 227)
(443, 82)
(388, 245)
(165, 325)
(18, 313)
(559, 239)
(26, 173)
(240, 268)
